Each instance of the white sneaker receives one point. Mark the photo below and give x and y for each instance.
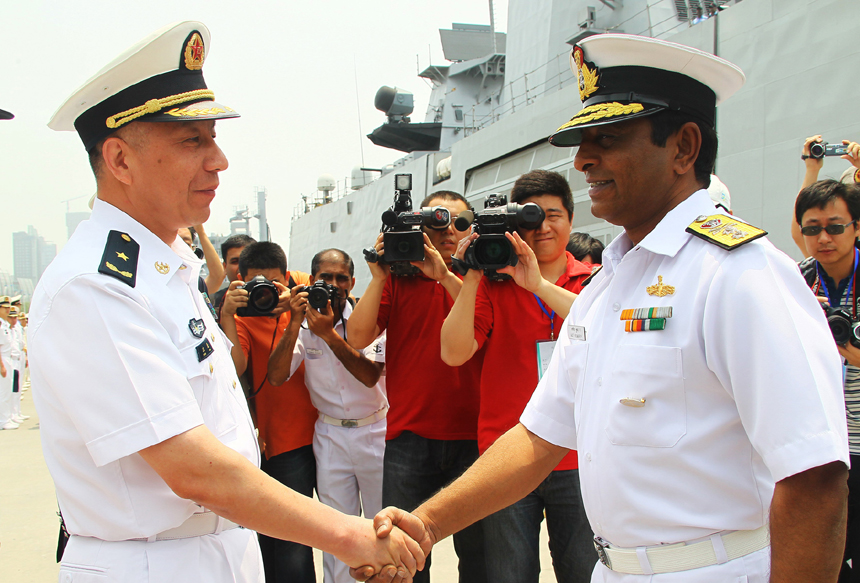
(10, 425)
(22, 416)
(17, 419)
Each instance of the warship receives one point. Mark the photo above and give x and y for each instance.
(499, 96)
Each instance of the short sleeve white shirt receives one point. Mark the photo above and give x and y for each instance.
(333, 389)
(118, 370)
(742, 389)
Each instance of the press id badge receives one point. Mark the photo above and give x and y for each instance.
(544, 354)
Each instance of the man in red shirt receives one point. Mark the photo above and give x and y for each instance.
(433, 414)
(284, 414)
(517, 322)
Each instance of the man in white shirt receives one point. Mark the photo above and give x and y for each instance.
(18, 358)
(145, 430)
(6, 369)
(696, 376)
(349, 437)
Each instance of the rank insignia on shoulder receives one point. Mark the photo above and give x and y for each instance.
(725, 231)
(119, 259)
(204, 350)
(594, 271)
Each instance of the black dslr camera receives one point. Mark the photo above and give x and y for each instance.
(492, 250)
(401, 228)
(262, 298)
(320, 293)
(822, 149)
(844, 328)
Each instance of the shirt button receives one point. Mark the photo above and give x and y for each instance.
(211, 368)
(616, 306)
(234, 384)
(599, 381)
(588, 456)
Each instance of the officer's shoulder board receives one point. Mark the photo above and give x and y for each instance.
(595, 269)
(119, 259)
(724, 231)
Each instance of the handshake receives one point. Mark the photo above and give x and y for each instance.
(402, 542)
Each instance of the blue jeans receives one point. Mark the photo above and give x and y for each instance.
(414, 469)
(512, 534)
(284, 561)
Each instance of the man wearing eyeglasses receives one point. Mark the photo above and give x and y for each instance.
(827, 212)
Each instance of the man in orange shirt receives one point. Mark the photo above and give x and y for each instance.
(284, 415)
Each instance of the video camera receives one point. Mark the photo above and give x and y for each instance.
(263, 297)
(844, 328)
(822, 149)
(320, 293)
(492, 250)
(401, 228)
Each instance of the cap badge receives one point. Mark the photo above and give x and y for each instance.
(162, 268)
(660, 290)
(588, 76)
(195, 53)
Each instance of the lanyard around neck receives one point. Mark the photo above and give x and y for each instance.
(549, 315)
(851, 286)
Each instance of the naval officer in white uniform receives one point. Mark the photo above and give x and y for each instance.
(696, 378)
(145, 429)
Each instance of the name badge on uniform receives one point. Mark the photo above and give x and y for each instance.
(313, 353)
(545, 349)
(576, 332)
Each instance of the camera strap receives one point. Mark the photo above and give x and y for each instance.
(549, 315)
(851, 292)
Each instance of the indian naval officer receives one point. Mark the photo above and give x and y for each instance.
(145, 429)
(696, 377)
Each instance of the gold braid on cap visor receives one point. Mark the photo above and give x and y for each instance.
(602, 110)
(156, 105)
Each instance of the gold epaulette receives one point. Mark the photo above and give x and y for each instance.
(724, 231)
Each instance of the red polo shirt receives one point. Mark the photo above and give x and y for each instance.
(508, 323)
(425, 395)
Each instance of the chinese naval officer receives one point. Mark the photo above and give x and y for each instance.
(696, 376)
(145, 429)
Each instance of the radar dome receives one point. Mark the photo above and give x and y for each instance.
(326, 183)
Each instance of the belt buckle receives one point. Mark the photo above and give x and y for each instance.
(600, 545)
(349, 422)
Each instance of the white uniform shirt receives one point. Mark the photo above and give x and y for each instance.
(333, 389)
(742, 389)
(118, 371)
(17, 344)
(5, 342)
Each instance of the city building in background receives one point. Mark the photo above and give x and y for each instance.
(31, 254)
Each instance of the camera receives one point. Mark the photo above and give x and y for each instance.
(492, 250)
(844, 328)
(401, 228)
(320, 293)
(821, 149)
(262, 298)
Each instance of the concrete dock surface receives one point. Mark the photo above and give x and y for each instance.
(29, 523)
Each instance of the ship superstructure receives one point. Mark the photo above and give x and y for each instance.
(500, 96)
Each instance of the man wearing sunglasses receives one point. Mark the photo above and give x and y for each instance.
(827, 212)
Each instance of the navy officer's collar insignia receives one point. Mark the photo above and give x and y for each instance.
(119, 259)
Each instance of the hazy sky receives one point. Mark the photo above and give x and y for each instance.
(288, 67)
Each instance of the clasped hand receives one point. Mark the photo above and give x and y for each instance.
(390, 523)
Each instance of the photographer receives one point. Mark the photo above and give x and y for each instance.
(207, 251)
(231, 248)
(433, 416)
(518, 322)
(349, 438)
(284, 415)
(813, 168)
(827, 212)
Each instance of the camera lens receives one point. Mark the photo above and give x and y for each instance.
(404, 247)
(263, 299)
(493, 251)
(840, 327)
(816, 149)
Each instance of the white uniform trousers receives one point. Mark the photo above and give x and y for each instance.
(6, 400)
(751, 568)
(349, 477)
(232, 556)
(16, 397)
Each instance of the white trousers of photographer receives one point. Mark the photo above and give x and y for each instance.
(349, 477)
